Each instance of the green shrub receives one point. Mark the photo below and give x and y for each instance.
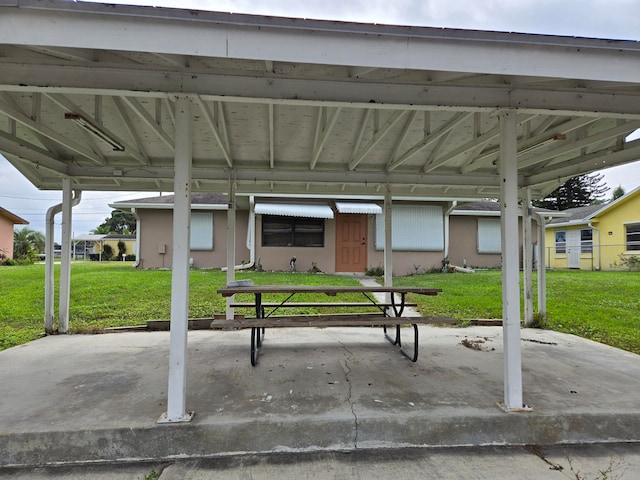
(629, 262)
(107, 252)
(375, 271)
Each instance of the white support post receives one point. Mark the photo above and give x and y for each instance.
(177, 388)
(231, 244)
(527, 258)
(65, 258)
(388, 245)
(542, 266)
(508, 169)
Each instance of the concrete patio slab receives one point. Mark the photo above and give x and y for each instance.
(78, 398)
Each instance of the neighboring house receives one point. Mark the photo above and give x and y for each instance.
(92, 245)
(597, 236)
(333, 236)
(7, 221)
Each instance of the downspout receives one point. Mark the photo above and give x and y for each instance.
(251, 238)
(454, 204)
(136, 264)
(596, 238)
(49, 284)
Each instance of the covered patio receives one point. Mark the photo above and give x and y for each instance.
(104, 97)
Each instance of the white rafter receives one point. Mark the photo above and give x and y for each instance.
(122, 112)
(272, 144)
(325, 131)
(487, 157)
(378, 135)
(48, 132)
(70, 107)
(403, 136)
(571, 146)
(146, 117)
(13, 145)
(448, 126)
(211, 121)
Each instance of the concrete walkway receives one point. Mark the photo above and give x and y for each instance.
(316, 394)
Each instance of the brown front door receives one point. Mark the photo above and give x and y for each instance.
(351, 243)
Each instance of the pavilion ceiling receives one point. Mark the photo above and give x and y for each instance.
(299, 127)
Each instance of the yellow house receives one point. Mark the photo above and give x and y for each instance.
(597, 237)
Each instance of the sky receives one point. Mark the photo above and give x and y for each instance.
(611, 19)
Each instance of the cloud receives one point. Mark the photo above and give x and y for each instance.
(20, 197)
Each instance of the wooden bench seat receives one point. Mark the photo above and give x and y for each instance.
(319, 304)
(320, 321)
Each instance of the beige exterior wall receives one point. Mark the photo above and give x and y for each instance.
(157, 234)
(6, 237)
(278, 258)
(463, 243)
(156, 231)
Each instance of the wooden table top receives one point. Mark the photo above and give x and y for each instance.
(327, 290)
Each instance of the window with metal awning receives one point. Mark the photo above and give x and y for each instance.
(298, 225)
(305, 210)
(365, 208)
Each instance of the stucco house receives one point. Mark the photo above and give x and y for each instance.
(329, 235)
(595, 237)
(7, 221)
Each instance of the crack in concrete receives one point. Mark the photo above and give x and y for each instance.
(347, 372)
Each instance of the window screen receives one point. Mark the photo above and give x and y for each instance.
(414, 228)
(633, 237)
(489, 239)
(281, 231)
(202, 231)
(561, 242)
(586, 241)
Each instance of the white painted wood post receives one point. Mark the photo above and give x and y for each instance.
(231, 245)
(65, 258)
(388, 245)
(542, 265)
(508, 169)
(177, 388)
(527, 258)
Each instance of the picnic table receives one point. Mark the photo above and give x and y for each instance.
(385, 314)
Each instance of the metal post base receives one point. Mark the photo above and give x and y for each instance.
(181, 419)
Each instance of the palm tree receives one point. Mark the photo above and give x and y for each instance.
(27, 243)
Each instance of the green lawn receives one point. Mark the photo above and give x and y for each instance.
(603, 306)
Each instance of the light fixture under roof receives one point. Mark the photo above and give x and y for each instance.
(96, 130)
(543, 143)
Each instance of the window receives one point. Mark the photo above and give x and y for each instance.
(201, 231)
(414, 228)
(561, 242)
(633, 236)
(279, 231)
(586, 241)
(489, 238)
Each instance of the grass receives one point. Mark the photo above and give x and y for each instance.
(603, 306)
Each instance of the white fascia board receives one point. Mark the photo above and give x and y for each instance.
(574, 223)
(146, 29)
(165, 206)
(475, 213)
